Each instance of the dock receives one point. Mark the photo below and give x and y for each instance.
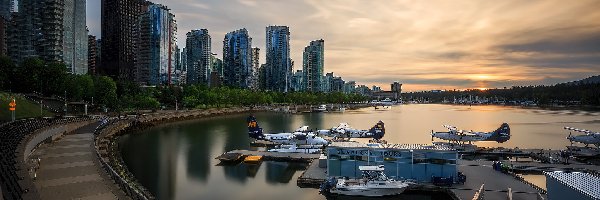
(276, 156)
(313, 176)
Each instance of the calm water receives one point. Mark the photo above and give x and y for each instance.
(176, 161)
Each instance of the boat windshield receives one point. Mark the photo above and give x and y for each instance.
(374, 175)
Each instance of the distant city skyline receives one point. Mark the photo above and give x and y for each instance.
(424, 45)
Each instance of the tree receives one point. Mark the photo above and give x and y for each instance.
(6, 71)
(106, 91)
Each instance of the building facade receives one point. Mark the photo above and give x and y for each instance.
(237, 59)
(119, 20)
(75, 36)
(198, 47)
(37, 31)
(396, 88)
(3, 30)
(297, 81)
(156, 46)
(92, 54)
(337, 84)
(255, 68)
(278, 68)
(312, 66)
(414, 162)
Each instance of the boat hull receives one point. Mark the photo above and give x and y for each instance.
(368, 192)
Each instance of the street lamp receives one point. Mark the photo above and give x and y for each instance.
(412, 164)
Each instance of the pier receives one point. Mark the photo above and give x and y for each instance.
(276, 156)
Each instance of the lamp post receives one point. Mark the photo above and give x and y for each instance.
(412, 164)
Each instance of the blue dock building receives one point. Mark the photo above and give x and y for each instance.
(402, 161)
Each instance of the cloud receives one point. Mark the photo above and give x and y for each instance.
(425, 44)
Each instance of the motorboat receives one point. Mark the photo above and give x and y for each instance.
(373, 183)
(321, 108)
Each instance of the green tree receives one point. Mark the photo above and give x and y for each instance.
(106, 91)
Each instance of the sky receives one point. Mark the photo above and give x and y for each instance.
(427, 44)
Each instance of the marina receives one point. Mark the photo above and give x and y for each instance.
(475, 161)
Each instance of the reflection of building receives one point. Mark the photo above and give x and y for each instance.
(237, 59)
(312, 66)
(572, 185)
(401, 161)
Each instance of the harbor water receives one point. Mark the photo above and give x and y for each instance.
(176, 160)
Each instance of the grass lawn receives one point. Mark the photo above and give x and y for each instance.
(25, 108)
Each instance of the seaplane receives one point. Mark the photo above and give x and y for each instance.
(343, 130)
(590, 137)
(301, 136)
(500, 135)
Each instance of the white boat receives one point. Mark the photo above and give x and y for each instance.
(310, 149)
(373, 183)
(321, 108)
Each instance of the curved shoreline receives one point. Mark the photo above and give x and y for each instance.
(107, 149)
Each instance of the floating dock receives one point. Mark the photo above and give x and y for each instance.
(275, 156)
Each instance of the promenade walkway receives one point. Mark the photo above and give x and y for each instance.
(69, 169)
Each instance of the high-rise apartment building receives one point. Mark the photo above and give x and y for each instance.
(75, 36)
(278, 68)
(53, 30)
(119, 19)
(312, 66)
(237, 59)
(156, 46)
(198, 47)
(255, 68)
(37, 30)
(92, 54)
(5, 14)
(297, 79)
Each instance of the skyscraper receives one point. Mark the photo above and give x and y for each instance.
(255, 68)
(92, 54)
(119, 19)
(53, 30)
(37, 31)
(5, 13)
(155, 45)
(312, 66)
(297, 80)
(278, 68)
(6, 8)
(75, 37)
(237, 59)
(198, 49)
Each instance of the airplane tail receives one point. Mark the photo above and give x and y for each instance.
(378, 130)
(502, 134)
(254, 130)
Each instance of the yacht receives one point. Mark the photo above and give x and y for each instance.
(373, 183)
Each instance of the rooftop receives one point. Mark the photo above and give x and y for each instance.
(583, 182)
(392, 146)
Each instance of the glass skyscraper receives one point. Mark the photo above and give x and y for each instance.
(278, 68)
(156, 46)
(312, 66)
(198, 50)
(237, 59)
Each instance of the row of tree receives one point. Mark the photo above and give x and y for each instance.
(52, 79)
(564, 93)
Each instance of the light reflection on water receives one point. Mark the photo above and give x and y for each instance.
(176, 161)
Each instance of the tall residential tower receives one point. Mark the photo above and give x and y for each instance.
(278, 67)
(312, 66)
(198, 54)
(237, 59)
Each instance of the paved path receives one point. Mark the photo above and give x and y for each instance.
(69, 169)
(496, 183)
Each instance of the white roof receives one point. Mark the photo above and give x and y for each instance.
(391, 146)
(585, 183)
(371, 168)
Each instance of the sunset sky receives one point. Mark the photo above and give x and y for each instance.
(432, 44)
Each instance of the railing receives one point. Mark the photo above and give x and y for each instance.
(132, 191)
